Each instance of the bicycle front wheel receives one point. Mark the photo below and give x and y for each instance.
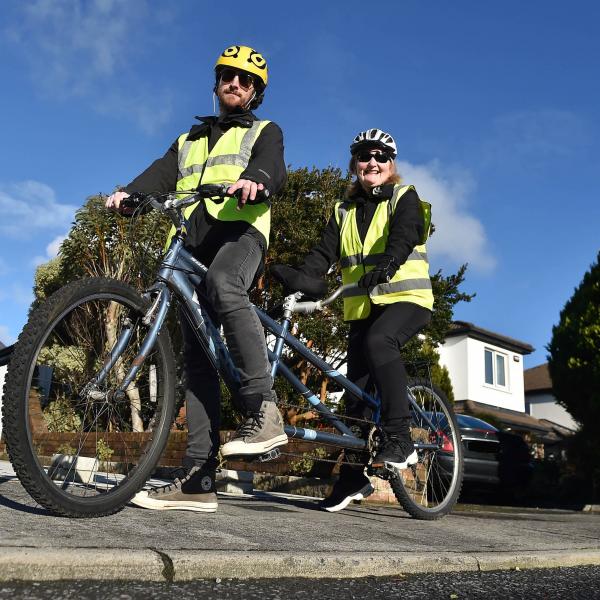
(78, 448)
(429, 490)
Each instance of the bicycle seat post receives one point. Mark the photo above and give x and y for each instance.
(289, 302)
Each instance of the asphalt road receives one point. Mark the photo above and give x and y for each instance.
(267, 535)
(560, 583)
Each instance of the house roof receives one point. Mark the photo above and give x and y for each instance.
(537, 379)
(560, 429)
(511, 418)
(491, 337)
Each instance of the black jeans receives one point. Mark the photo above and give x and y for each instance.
(374, 359)
(226, 286)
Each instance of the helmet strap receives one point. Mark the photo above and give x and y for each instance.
(214, 102)
(247, 105)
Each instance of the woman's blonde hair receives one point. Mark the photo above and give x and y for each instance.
(356, 188)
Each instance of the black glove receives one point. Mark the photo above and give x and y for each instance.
(372, 278)
(382, 273)
(295, 280)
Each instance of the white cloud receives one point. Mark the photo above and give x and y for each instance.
(5, 336)
(51, 251)
(149, 111)
(332, 83)
(81, 41)
(30, 206)
(19, 294)
(82, 48)
(54, 246)
(459, 236)
(530, 137)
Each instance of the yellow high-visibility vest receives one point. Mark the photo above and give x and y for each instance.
(223, 164)
(410, 283)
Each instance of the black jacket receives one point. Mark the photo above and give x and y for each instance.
(405, 230)
(266, 166)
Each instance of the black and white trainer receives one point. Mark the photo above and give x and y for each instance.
(396, 453)
(354, 486)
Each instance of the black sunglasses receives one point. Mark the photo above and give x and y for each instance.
(367, 156)
(228, 75)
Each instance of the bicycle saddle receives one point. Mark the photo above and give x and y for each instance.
(294, 280)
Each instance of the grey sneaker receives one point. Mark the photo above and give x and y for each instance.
(195, 491)
(261, 431)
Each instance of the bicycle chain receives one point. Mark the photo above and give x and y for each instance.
(319, 459)
(319, 416)
(342, 418)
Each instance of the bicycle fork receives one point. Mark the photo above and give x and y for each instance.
(154, 317)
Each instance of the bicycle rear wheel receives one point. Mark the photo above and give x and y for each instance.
(429, 490)
(78, 449)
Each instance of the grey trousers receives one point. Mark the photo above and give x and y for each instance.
(227, 282)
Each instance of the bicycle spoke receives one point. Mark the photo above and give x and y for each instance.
(79, 443)
(430, 489)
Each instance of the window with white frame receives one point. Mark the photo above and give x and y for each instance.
(496, 368)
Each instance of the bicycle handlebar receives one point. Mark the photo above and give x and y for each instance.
(310, 307)
(172, 200)
(173, 205)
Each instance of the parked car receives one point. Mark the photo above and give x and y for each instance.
(491, 457)
(481, 448)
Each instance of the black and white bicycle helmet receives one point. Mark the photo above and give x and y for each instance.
(374, 138)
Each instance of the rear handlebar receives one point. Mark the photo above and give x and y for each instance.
(310, 307)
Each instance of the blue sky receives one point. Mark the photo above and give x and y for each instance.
(495, 108)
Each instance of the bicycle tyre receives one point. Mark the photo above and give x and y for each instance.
(430, 489)
(66, 339)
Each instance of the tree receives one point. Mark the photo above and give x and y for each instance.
(574, 358)
(300, 213)
(574, 363)
(101, 244)
(104, 244)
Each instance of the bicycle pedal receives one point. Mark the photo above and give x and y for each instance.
(383, 471)
(270, 455)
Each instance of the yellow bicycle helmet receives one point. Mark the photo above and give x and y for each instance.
(245, 59)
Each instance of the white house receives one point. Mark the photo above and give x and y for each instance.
(486, 371)
(540, 401)
(485, 367)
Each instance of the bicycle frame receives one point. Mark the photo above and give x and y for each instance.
(123, 409)
(180, 274)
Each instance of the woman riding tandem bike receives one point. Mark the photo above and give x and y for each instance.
(377, 235)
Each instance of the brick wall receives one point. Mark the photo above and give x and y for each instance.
(127, 447)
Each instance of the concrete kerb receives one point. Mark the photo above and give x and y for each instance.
(49, 564)
(37, 564)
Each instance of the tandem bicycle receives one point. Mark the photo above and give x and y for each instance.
(97, 357)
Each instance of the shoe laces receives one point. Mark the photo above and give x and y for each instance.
(177, 483)
(251, 424)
